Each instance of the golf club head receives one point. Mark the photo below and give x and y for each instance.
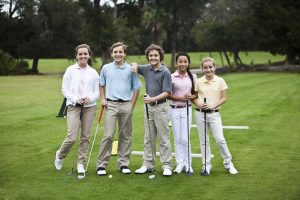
(189, 173)
(81, 176)
(70, 172)
(204, 173)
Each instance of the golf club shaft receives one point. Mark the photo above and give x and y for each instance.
(205, 139)
(96, 132)
(150, 135)
(188, 134)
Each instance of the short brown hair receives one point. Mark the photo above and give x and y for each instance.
(118, 44)
(157, 48)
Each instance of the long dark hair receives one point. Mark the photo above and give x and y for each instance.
(188, 69)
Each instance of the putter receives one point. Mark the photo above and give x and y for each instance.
(81, 109)
(82, 175)
(189, 173)
(153, 153)
(204, 172)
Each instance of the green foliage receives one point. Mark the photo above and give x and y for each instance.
(266, 155)
(10, 66)
(277, 27)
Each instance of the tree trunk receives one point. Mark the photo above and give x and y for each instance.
(105, 58)
(221, 56)
(34, 67)
(227, 58)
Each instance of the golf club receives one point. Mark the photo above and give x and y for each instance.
(82, 175)
(188, 172)
(204, 172)
(153, 153)
(75, 152)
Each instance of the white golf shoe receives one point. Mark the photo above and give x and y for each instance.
(231, 169)
(125, 170)
(142, 170)
(178, 169)
(167, 172)
(80, 168)
(101, 171)
(58, 162)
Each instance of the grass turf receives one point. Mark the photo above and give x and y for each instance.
(266, 155)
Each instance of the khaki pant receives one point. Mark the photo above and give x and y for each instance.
(74, 126)
(158, 120)
(120, 112)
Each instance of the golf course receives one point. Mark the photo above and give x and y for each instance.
(266, 155)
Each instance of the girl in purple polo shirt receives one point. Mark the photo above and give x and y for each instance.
(183, 91)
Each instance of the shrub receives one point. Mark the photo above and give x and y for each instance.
(11, 66)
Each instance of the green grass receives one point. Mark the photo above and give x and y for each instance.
(266, 155)
(58, 66)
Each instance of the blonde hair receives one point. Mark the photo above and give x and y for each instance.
(208, 59)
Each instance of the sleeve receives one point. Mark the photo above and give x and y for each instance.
(102, 79)
(95, 95)
(136, 84)
(167, 82)
(66, 86)
(223, 85)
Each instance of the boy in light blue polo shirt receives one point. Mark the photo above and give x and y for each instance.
(119, 90)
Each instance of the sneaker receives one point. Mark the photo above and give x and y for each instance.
(142, 170)
(178, 169)
(167, 172)
(80, 168)
(207, 171)
(101, 171)
(125, 170)
(58, 162)
(232, 170)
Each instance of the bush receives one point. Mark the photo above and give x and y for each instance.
(11, 66)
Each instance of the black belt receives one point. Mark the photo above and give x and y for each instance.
(178, 106)
(155, 103)
(206, 111)
(118, 100)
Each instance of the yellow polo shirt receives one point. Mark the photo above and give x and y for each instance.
(210, 89)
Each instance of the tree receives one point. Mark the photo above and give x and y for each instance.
(225, 27)
(277, 27)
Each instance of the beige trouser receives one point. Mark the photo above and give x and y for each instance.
(158, 120)
(120, 112)
(74, 126)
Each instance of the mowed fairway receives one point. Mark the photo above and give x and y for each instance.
(267, 155)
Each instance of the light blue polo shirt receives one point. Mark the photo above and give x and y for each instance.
(119, 81)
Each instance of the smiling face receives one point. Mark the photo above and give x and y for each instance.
(118, 55)
(154, 58)
(182, 64)
(208, 69)
(82, 57)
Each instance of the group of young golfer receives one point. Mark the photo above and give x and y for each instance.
(168, 98)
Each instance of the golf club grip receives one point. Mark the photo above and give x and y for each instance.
(204, 100)
(101, 112)
(81, 109)
(147, 113)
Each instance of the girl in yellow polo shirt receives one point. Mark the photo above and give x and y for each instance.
(212, 93)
